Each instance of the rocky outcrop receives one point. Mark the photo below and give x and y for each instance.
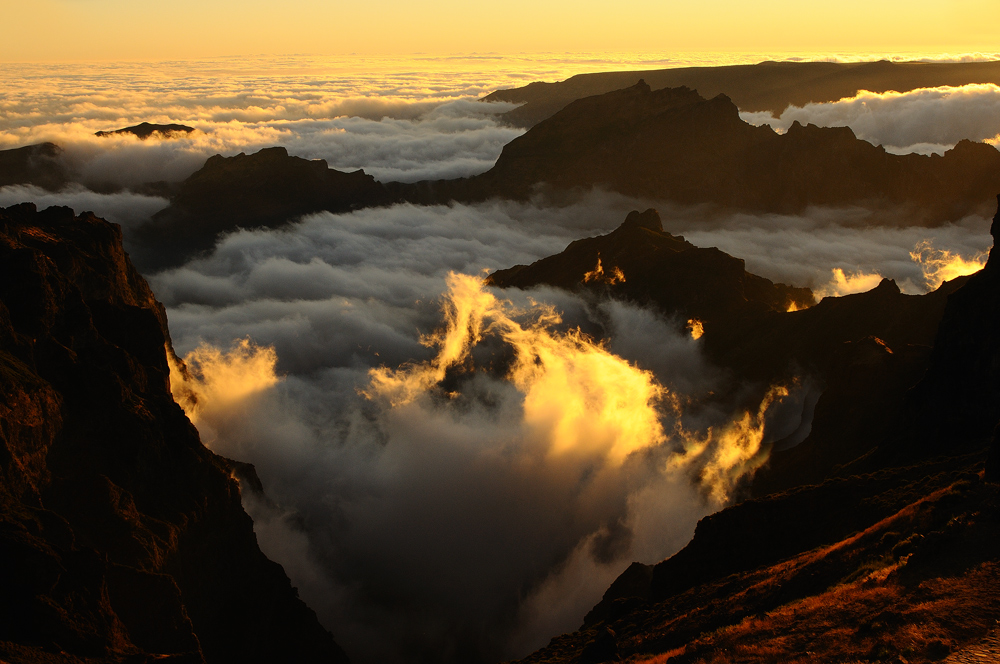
(145, 130)
(864, 352)
(895, 563)
(767, 86)
(33, 164)
(263, 190)
(640, 262)
(674, 145)
(122, 538)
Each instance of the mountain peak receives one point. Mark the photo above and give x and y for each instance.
(649, 219)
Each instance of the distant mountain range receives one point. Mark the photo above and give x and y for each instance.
(767, 86)
(671, 144)
(674, 145)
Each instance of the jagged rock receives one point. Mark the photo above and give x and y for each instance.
(640, 262)
(145, 130)
(674, 145)
(121, 536)
(864, 351)
(870, 565)
(266, 189)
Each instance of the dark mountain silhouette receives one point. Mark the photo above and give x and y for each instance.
(864, 351)
(122, 538)
(263, 190)
(767, 86)
(890, 556)
(674, 145)
(33, 164)
(145, 130)
(642, 263)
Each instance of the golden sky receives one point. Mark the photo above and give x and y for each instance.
(59, 30)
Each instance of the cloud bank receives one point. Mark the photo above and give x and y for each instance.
(925, 121)
(126, 208)
(450, 523)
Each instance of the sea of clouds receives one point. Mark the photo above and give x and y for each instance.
(429, 528)
(924, 121)
(434, 530)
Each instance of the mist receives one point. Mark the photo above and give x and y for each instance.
(924, 121)
(125, 208)
(449, 525)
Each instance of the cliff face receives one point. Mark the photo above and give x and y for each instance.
(266, 189)
(121, 535)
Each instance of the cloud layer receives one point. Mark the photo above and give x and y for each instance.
(439, 527)
(926, 120)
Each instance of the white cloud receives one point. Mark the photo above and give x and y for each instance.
(926, 120)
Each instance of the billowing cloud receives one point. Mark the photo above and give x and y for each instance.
(804, 250)
(440, 140)
(450, 524)
(926, 120)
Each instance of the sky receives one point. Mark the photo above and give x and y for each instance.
(74, 30)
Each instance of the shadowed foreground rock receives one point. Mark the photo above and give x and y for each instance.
(122, 538)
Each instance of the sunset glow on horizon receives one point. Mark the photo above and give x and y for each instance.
(83, 30)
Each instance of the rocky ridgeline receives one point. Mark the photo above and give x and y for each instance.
(875, 545)
(122, 538)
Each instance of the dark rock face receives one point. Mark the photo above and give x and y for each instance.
(145, 130)
(767, 86)
(865, 351)
(33, 164)
(959, 399)
(640, 262)
(121, 536)
(674, 145)
(870, 565)
(265, 189)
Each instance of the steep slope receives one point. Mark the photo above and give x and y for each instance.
(767, 86)
(122, 538)
(896, 563)
(674, 145)
(265, 189)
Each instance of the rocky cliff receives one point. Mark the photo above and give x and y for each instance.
(265, 189)
(122, 538)
(890, 556)
(674, 145)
